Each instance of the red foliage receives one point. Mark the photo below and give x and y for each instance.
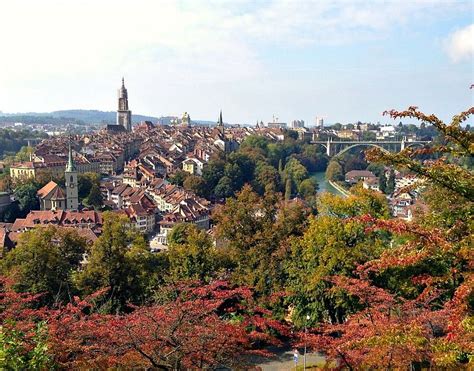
(205, 326)
(390, 331)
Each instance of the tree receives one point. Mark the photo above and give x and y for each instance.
(288, 189)
(308, 188)
(6, 183)
(224, 188)
(44, 261)
(196, 184)
(191, 327)
(179, 177)
(295, 171)
(266, 177)
(334, 171)
(118, 260)
(415, 302)
(390, 187)
(255, 230)
(85, 182)
(26, 196)
(383, 183)
(213, 172)
(95, 196)
(334, 243)
(245, 164)
(360, 202)
(255, 142)
(191, 254)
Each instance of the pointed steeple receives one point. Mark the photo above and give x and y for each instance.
(123, 82)
(70, 163)
(220, 119)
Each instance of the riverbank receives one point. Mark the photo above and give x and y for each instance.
(326, 185)
(340, 189)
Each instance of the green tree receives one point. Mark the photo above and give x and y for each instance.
(334, 171)
(383, 183)
(224, 188)
(390, 188)
(329, 246)
(26, 196)
(360, 202)
(308, 188)
(245, 164)
(266, 177)
(288, 189)
(213, 172)
(255, 142)
(196, 184)
(44, 261)
(85, 182)
(191, 254)
(254, 231)
(295, 171)
(95, 196)
(179, 177)
(20, 350)
(119, 261)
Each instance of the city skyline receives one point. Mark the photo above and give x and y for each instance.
(295, 60)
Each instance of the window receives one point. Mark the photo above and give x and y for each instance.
(72, 179)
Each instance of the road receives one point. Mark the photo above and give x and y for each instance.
(284, 361)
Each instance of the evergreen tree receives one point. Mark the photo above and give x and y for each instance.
(383, 183)
(390, 188)
(288, 192)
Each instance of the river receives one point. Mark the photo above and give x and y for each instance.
(324, 185)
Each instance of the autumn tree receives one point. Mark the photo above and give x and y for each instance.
(416, 299)
(192, 327)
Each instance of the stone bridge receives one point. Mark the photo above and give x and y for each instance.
(339, 147)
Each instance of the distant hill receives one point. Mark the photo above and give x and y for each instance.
(84, 117)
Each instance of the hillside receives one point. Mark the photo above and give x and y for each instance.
(79, 116)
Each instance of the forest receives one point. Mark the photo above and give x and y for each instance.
(339, 275)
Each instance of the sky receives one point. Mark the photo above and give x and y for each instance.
(345, 61)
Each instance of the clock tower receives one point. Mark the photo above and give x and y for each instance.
(72, 197)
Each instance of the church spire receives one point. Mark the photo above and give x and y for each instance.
(219, 121)
(123, 82)
(70, 163)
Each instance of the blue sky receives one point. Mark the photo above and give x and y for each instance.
(342, 60)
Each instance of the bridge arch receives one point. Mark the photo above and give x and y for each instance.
(413, 144)
(360, 145)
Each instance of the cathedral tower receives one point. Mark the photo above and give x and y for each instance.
(220, 124)
(72, 197)
(124, 115)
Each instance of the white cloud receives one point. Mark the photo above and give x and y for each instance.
(460, 44)
(63, 54)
